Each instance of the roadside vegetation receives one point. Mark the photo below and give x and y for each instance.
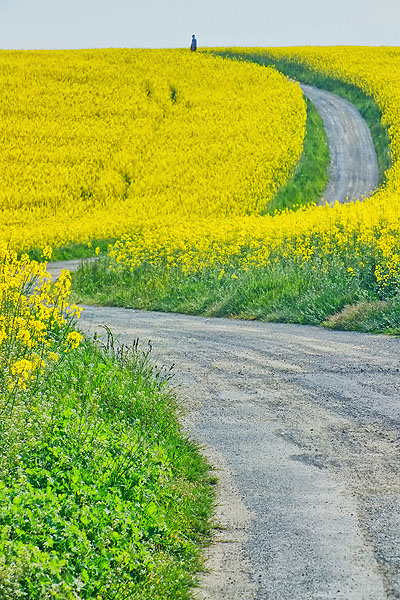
(101, 495)
(286, 290)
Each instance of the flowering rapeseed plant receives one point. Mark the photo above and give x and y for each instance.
(177, 155)
(366, 233)
(35, 319)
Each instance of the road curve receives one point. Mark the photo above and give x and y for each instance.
(353, 172)
(301, 424)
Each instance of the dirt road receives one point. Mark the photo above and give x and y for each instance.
(302, 425)
(353, 172)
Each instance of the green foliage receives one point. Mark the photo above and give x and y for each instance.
(288, 290)
(337, 290)
(311, 175)
(72, 251)
(101, 496)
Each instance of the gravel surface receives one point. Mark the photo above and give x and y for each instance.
(301, 424)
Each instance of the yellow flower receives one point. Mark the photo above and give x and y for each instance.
(28, 318)
(22, 370)
(24, 336)
(47, 252)
(3, 336)
(73, 340)
(74, 311)
(53, 357)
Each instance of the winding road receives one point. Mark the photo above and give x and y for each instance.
(353, 172)
(301, 423)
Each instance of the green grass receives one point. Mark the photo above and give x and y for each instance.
(365, 103)
(75, 250)
(287, 291)
(101, 495)
(310, 178)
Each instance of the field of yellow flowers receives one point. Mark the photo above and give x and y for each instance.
(99, 143)
(178, 155)
(365, 235)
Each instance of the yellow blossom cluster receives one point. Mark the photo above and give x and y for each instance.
(98, 143)
(35, 321)
(366, 234)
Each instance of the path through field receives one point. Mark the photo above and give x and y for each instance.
(301, 424)
(353, 172)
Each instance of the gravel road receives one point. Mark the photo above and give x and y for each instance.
(353, 172)
(301, 424)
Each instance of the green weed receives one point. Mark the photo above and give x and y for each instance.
(286, 291)
(101, 495)
(71, 251)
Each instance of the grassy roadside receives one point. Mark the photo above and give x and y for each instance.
(101, 494)
(314, 293)
(311, 175)
(365, 104)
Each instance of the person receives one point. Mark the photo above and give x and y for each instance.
(193, 45)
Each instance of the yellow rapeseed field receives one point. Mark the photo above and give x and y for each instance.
(367, 232)
(99, 143)
(177, 154)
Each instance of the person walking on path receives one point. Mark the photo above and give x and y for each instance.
(193, 45)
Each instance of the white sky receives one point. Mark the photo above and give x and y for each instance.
(170, 23)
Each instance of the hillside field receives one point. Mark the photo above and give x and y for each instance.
(167, 166)
(103, 143)
(264, 266)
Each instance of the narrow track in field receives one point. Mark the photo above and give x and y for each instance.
(301, 424)
(353, 172)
